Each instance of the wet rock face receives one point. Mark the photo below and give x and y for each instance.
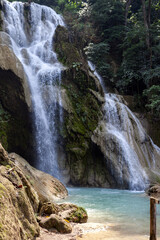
(82, 98)
(12, 94)
(15, 102)
(9, 61)
(129, 153)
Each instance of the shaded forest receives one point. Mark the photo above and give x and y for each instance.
(122, 38)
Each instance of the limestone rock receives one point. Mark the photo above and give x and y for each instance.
(68, 211)
(57, 222)
(5, 39)
(16, 130)
(48, 188)
(19, 202)
(9, 61)
(49, 208)
(73, 213)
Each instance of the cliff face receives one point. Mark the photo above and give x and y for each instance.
(82, 112)
(18, 201)
(15, 102)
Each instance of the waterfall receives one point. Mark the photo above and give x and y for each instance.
(124, 135)
(31, 28)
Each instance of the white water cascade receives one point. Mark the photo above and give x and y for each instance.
(31, 29)
(127, 147)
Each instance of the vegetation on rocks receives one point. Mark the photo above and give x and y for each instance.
(60, 216)
(82, 89)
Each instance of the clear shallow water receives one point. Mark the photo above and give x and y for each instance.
(129, 211)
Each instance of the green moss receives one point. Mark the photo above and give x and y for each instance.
(2, 187)
(8, 167)
(2, 192)
(80, 123)
(78, 215)
(66, 50)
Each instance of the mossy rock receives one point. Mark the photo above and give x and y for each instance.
(17, 215)
(82, 89)
(73, 213)
(78, 127)
(79, 215)
(49, 208)
(56, 222)
(65, 48)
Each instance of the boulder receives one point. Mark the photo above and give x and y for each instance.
(73, 213)
(57, 222)
(67, 211)
(47, 187)
(49, 208)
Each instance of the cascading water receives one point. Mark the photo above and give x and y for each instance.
(124, 135)
(31, 29)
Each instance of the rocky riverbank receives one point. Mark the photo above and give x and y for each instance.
(26, 200)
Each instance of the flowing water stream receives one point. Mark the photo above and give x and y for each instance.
(31, 29)
(134, 149)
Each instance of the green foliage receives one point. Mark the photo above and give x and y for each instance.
(60, 5)
(108, 18)
(153, 95)
(76, 65)
(134, 61)
(115, 44)
(98, 54)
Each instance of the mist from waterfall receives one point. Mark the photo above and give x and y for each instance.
(31, 28)
(122, 129)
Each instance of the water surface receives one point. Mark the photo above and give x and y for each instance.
(127, 211)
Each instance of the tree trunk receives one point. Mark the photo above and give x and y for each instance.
(152, 219)
(145, 23)
(149, 12)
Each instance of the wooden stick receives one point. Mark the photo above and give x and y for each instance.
(153, 219)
